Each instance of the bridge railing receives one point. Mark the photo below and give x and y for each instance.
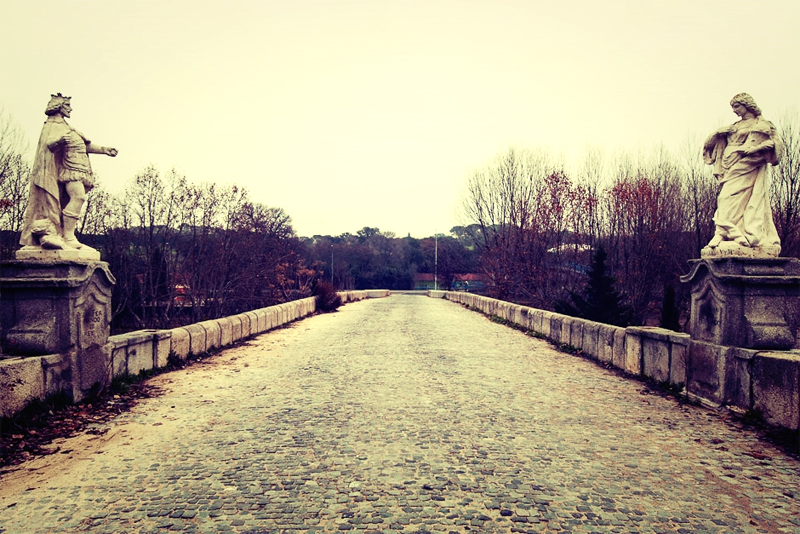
(24, 379)
(744, 380)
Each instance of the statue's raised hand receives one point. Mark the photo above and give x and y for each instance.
(112, 152)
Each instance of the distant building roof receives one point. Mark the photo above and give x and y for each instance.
(570, 247)
(470, 277)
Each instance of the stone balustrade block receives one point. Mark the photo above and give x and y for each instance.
(179, 343)
(23, 381)
(776, 388)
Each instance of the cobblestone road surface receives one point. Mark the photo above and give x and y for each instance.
(416, 415)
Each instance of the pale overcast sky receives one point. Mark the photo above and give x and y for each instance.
(372, 113)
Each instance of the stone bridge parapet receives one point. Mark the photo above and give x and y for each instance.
(764, 382)
(25, 378)
(744, 380)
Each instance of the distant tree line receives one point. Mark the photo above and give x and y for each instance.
(374, 259)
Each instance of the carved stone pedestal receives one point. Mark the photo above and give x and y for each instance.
(59, 307)
(751, 303)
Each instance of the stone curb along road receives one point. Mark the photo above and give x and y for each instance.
(405, 414)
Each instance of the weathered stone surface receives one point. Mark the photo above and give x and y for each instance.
(244, 326)
(575, 337)
(679, 359)
(706, 376)
(545, 327)
(213, 333)
(655, 358)
(590, 345)
(605, 343)
(140, 351)
(738, 378)
(54, 307)
(119, 355)
(236, 328)
(161, 347)
(526, 317)
(776, 388)
(659, 347)
(57, 374)
(491, 306)
(745, 302)
(252, 323)
(40, 254)
(91, 370)
(620, 350)
(179, 343)
(502, 310)
(24, 381)
(633, 350)
(197, 338)
(225, 325)
(537, 317)
(261, 321)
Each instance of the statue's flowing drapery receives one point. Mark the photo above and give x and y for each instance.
(743, 210)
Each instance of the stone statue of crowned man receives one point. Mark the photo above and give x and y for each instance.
(60, 178)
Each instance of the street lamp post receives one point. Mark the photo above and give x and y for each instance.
(436, 261)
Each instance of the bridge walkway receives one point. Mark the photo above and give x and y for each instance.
(406, 414)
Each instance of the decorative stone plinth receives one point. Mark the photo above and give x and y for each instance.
(59, 307)
(751, 303)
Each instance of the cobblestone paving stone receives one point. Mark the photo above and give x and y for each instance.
(410, 414)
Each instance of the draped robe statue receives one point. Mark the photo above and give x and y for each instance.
(740, 154)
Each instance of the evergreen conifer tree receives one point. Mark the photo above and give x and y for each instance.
(670, 315)
(600, 301)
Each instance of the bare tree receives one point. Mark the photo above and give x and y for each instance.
(700, 193)
(532, 221)
(14, 184)
(786, 185)
(100, 213)
(646, 228)
(591, 180)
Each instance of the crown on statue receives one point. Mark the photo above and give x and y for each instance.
(56, 101)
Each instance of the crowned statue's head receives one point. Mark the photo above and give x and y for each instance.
(748, 102)
(57, 101)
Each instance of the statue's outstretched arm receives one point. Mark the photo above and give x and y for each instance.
(91, 148)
